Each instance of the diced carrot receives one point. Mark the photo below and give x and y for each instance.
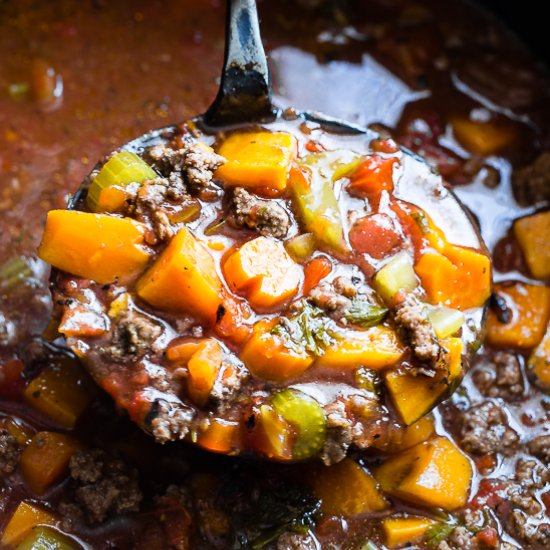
(411, 435)
(95, 246)
(404, 530)
(45, 460)
(183, 278)
(533, 235)
(203, 366)
(315, 271)
(258, 160)
(372, 176)
(61, 392)
(266, 356)
(459, 278)
(26, 516)
(483, 137)
(374, 235)
(530, 307)
(264, 271)
(219, 436)
(112, 199)
(182, 350)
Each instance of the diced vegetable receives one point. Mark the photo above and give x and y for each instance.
(45, 460)
(375, 348)
(365, 314)
(61, 392)
(396, 276)
(434, 474)
(414, 396)
(530, 305)
(372, 176)
(404, 530)
(311, 185)
(374, 235)
(26, 516)
(267, 356)
(16, 429)
(219, 436)
(45, 538)
(273, 436)
(346, 489)
(15, 272)
(183, 278)
(306, 417)
(458, 278)
(301, 247)
(263, 270)
(121, 169)
(95, 246)
(446, 321)
(203, 366)
(483, 137)
(368, 379)
(420, 431)
(533, 235)
(539, 362)
(258, 160)
(314, 272)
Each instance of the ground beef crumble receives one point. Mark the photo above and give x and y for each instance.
(484, 429)
(296, 541)
(501, 377)
(540, 447)
(169, 421)
(531, 184)
(265, 216)
(9, 452)
(101, 484)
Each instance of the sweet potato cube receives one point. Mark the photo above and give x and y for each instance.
(404, 530)
(346, 489)
(203, 366)
(539, 362)
(414, 396)
(433, 474)
(94, 246)
(264, 271)
(26, 516)
(258, 160)
(219, 436)
(266, 356)
(46, 459)
(530, 308)
(61, 392)
(483, 137)
(533, 235)
(183, 278)
(375, 348)
(420, 431)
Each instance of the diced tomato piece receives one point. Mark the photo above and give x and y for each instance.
(375, 235)
(384, 145)
(314, 271)
(314, 146)
(372, 176)
(488, 537)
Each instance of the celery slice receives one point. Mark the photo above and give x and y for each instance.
(307, 418)
(398, 274)
(446, 321)
(43, 538)
(301, 247)
(121, 169)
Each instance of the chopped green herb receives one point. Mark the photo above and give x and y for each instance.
(421, 221)
(369, 545)
(364, 314)
(437, 533)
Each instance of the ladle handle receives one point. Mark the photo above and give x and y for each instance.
(245, 88)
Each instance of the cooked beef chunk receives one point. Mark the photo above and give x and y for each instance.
(540, 447)
(9, 452)
(170, 421)
(296, 541)
(265, 216)
(101, 485)
(484, 429)
(194, 162)
(411, 317)
(532, 183)
(501, 377)
(339, 433)
(227, 385)
(134, 335)
(535, 530)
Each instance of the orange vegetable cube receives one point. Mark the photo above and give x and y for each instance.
(530, 307)
(203, 366)
(219, 436)
(459, 278)
(258, 160)
(483, 137)
(26, 516)
(263, 269)
(375, 348)
(411, 435)
(434, 474)
(45, 460)
(539, 362)
(372, 176)
(533, 235)
(346, 489)
(61, 392)
(273, 436)
(266, 356)
(183, 278)
(404, 530)
(95, 246)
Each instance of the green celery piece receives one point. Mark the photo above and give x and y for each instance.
(14, 272)
(121, 169)
(446, 321)
(307, 418)
(43, 538)
(316, 202)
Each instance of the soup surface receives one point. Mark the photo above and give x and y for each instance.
(80, 79)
